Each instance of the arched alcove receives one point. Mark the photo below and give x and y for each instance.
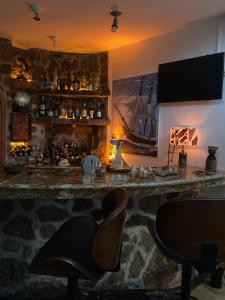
(2, 129)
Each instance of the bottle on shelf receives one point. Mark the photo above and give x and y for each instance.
(42, 107)
(47, 84)
(77, 111)
(99, 111)
(56, 110)
(90, 82)
(72, 78)
(63, 111)
(92, 111)
(50, 112)
(83, 83)
(97, 81)
(42, 82)
(84, 111)
(70, 114)
(55, 79)
(76, 84)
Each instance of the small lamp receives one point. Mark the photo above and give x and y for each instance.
(181, 136)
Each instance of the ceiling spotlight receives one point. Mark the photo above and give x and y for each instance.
(36, 9)
(115, 14)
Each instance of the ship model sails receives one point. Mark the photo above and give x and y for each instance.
(141, 114)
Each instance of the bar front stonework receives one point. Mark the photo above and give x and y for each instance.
(35, 203)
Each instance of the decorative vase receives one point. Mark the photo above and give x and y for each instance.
(211, 162)
(182, 159)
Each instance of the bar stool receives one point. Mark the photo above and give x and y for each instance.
(83, 249)
(191, 232)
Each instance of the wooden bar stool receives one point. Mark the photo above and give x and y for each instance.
(83, 249)
(191, 232)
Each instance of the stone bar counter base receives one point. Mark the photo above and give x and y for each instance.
(26, 223)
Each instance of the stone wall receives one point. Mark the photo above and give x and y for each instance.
(26, 225)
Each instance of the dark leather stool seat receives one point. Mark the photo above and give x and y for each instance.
(191, 232)
(83, 249)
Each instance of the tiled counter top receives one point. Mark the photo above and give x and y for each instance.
(70, 183)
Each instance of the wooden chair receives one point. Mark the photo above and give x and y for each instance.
(192, 233)
(83, 249)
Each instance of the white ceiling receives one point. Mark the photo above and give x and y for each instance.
(84, 25)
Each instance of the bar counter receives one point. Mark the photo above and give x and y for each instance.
(71, 183)
(35, 203)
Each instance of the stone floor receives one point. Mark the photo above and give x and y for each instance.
(202, 292)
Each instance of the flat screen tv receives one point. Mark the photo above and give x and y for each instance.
(199, 78)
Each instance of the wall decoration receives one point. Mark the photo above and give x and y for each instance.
(135, 114)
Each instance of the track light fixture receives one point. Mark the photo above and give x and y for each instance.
(115, 14)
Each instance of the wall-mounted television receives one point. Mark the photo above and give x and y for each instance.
(199, 78)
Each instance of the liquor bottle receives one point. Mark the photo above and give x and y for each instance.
(90, 83)
(56, 110)
(47, 84)
(77, 111)
(42, 107)
(55, 79)
(97, 81)
(99, 111)
(42, 82)
(83, 83)
(92, 111)
(84, 111)
(72, 78)
(50, 112)
(76, 84)
(70, 110)
(63, 111)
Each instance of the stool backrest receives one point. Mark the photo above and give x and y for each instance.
(106, 245)
(185, 226)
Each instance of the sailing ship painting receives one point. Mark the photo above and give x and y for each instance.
(135, 114)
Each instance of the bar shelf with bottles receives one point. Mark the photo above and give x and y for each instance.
(82, 110)
(73, 84)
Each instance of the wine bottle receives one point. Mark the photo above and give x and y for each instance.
(97, 81)
(42, 107)
(50, 112)
(92, 111)
(84, 111)
(70, 110)
(63, 111)
(77, 111)
(99, 111)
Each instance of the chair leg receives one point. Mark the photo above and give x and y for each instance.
(186, 282)
(72, 289)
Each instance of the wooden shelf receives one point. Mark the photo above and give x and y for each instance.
(69, 94)
(87, 122)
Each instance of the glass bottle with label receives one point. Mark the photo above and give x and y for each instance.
(50, 112)
(72, 78)
(84, 111)
(42, 107)
(97, 81)
(70, 110)
(77, 111)
(92, 111)
(63, 111)
(56, 110)
(99, 111)
(76, 84)
(83, 83)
